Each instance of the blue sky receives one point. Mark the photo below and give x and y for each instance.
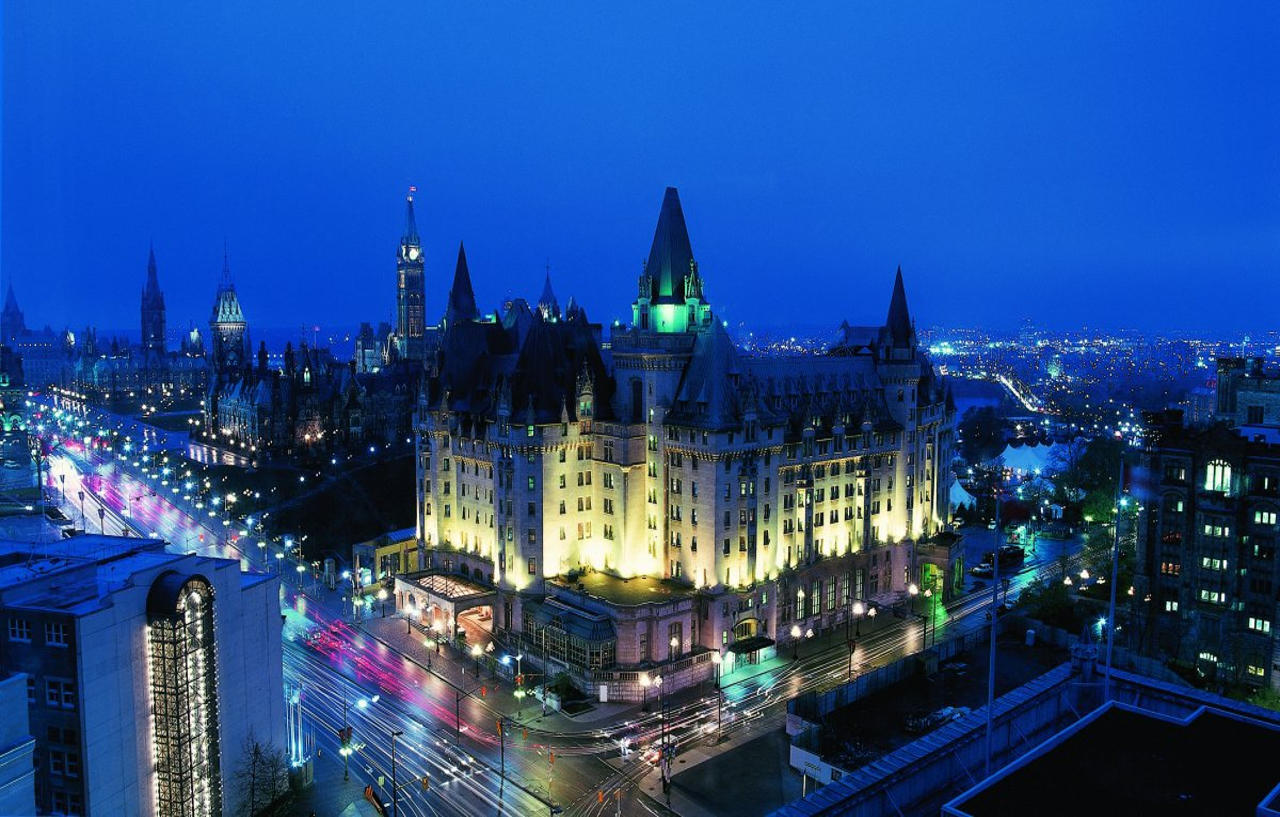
(1077, 163)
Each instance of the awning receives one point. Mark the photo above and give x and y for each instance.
(755, 642)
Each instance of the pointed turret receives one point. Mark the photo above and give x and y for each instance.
(899, 323)
(153, 282)
(153, 314)
(462, 299)
(410, 237)
(14, 322)
(547, 304)
(670, 256)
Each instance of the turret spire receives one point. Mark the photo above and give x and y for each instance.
(547, 304)
(671, 256)
(410, 223)
(462, 299)
(899, 321)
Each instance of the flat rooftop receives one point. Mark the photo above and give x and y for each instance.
(627, 592)
(1125, 761)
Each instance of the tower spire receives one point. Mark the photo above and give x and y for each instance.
(462, 298)
(899, 320)
(226, 265)
(547, 304)
(410, 223)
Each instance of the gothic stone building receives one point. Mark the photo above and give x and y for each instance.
(1207, 571)
(639, 506)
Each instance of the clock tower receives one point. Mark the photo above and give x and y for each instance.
(410, 289)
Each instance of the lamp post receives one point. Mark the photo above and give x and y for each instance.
(717, 659)
(674, 643)
(395, 795)
(795, 642)
(858, 610)
(933, 611)
(664, 760)
(475, 653)
(82, 524)
(645, 681)
(871, 614)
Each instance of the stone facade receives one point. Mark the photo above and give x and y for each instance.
(1207, 567)
(773, 490)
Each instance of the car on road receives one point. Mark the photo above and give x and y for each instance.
(982, 571)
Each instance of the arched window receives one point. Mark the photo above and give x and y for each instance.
(1217, 477)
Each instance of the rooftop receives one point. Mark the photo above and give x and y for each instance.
(1127, 761)
(627, 592)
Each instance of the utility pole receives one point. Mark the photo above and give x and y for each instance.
(1115, 578)
(395, 793)
(995, 599)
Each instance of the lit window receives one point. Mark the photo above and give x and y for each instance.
(1218, 477)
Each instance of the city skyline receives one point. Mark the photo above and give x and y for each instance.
(1057, 166)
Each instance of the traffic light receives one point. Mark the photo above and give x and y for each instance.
(499, 727)
(484, 690)
(426, 782)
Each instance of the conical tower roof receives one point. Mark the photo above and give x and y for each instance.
(226, 306)
(899, 321)
(410, 237)
(671, 256)
(152, 291)
(547, 304)
(462, 299)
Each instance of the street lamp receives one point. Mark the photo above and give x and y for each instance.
(858, 610)
(395, 795)
(933, 611)
(871, 614)
(382, 597)
(675, 647)
(795, 642)
(717, 659)
(475, 653)
(645, 681)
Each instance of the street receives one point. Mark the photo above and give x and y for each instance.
(346, 675)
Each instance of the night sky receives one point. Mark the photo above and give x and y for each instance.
(1110, 165)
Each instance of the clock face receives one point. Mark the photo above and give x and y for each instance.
(413, 253)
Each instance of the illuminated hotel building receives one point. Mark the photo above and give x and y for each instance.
(636, 506)
(146, 673)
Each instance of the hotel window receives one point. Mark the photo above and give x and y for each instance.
(1255, 670)
(693, 543)
(19, 629)
(561, 455)
(831, 594)
(1260, 625)
(1264, 517)
(1218, 477)
(561, 481)
(533, 509)
(533, 537)
(55, 633)
(1171, 607)
(531, 484)
(61, 694)
(533, 567)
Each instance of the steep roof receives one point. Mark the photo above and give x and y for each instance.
(462, 298)
(152, 292)
(410, 224)
(226, 306)
(547, 304)
(899, 320)
(670, 256)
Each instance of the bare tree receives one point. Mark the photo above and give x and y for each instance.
(261, 776)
